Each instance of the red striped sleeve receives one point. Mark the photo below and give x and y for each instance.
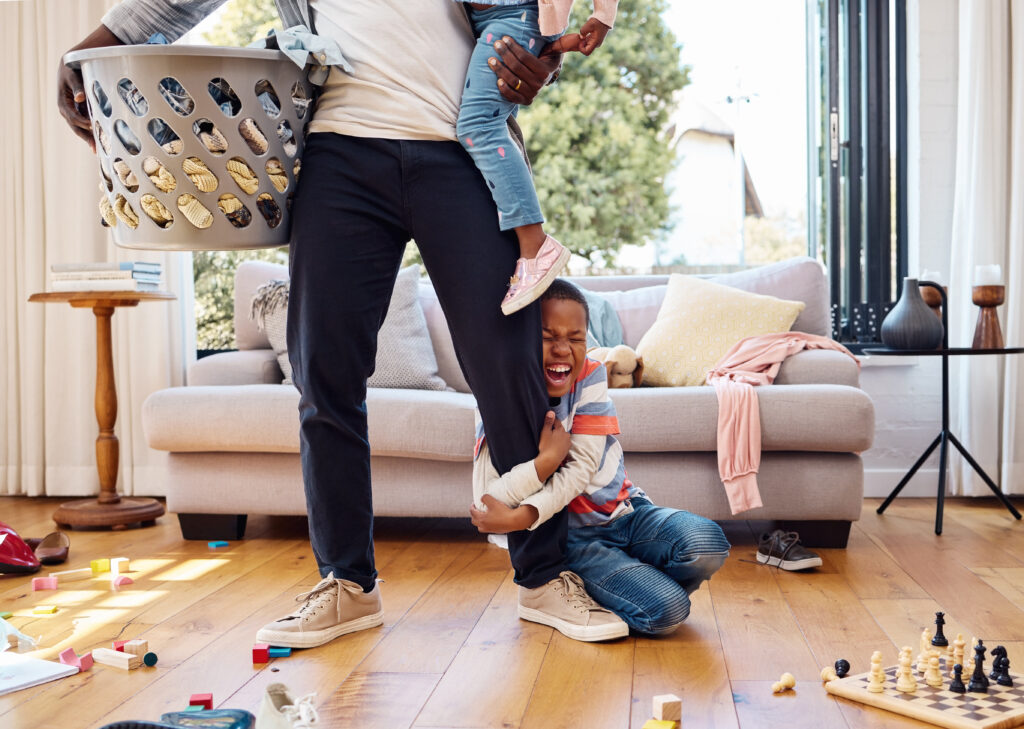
(583, 424)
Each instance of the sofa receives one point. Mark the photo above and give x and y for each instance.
(232, 434)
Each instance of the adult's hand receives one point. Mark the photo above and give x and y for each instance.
(521, 75)
(71, 90)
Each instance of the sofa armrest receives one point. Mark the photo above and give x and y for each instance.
(244, 367)
(819, 367)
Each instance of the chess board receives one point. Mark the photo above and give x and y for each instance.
(1001, 708)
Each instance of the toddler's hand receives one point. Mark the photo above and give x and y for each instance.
(554, 442)
(588, 40)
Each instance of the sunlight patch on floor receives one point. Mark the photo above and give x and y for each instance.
(190, 570)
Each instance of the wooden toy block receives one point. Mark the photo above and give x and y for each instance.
(99, 566)
(204, 700)
(660, 724)
(119, 565)
(85, 661)
(72, 575)
(668, 707)
(44, 609)
(137, 647)
(260, 653)
(117, 659)
(194, 707)
(5, 615)
(44, 583)
(119, 645)
(215, 545)
(69, 658)
(122, 580)
(279, 652)
(150, 659)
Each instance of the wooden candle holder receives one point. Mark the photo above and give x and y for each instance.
(987, 334)
(933, 298)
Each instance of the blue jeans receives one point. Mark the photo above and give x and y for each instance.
(482, 127)
(644, 565)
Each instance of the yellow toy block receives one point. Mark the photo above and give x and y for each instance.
(660, 724)
(100, 566)
(44, 609)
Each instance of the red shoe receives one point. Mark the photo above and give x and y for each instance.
(15, 556)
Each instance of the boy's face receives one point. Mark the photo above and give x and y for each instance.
(564, 324)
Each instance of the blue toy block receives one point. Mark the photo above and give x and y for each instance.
(280, 652)
(214, 545)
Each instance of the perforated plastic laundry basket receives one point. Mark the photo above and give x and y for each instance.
(199, 147)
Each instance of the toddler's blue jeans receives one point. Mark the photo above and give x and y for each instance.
(644, 565)
(482, 127)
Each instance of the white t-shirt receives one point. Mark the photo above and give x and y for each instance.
(409, 60)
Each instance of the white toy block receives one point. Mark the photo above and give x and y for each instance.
(668, 707)
(117, 659)
(137, 647)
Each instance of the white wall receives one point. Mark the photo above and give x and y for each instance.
(907, 394)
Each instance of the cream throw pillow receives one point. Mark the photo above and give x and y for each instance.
(697, 324)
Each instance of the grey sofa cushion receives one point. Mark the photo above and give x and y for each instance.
(244, 367)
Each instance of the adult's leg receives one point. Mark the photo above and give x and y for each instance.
(687, 547)
(642, 595)
(455, 226)
(347, 244)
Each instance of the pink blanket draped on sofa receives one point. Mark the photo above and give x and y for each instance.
(752, 361)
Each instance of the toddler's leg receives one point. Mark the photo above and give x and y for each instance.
(685, 546)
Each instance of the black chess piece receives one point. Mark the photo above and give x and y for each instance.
(842, 667)
(997, 653)
(1004, 678)
(940, 638)
(979, 681)
(957, 684)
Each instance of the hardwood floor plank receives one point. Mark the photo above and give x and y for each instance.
(869, 570)
(378, 700)
(582, 685)
(688, 663)
(806, 707)
(492, 677)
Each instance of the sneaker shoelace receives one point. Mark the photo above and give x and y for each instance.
(575, 593)
(322, 594)
(784, 541)
(302, 714)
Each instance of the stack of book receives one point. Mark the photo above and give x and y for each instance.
(126, 276)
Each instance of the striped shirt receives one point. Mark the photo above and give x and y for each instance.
(592, 482)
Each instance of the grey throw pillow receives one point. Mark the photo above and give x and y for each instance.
(405, 356)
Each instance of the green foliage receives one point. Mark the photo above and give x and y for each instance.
(242, 22)
(597, 137)
(214, 273)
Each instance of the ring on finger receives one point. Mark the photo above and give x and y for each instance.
(519, 82)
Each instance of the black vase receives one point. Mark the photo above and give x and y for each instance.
(911, 324)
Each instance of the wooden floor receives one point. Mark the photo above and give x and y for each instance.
(452, 652)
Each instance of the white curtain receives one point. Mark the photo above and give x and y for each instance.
(988, 228)
(48, 202)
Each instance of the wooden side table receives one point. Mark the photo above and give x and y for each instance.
(109, 509)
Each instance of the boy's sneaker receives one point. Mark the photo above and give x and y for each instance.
(563, 603)
(783, 550)
(332, 608)
(534, 275)
(280, 711)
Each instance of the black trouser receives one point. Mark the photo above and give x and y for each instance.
(358, 202)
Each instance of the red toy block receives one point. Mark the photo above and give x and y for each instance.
(85, 661)
(122, 580)
(119, 645)
(261, 653)
(44, 583)
(204, 700)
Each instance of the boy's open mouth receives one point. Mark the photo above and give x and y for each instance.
(557, 374)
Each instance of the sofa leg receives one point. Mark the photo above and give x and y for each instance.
(829, 534)
(212, 526)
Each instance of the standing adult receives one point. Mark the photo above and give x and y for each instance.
(382, 165)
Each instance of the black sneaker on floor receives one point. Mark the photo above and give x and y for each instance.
(783, 550)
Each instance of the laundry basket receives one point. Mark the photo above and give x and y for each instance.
(199, 147)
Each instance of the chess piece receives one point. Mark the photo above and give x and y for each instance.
(979, 681)
(905, 680)
(997, 654)
(876, 682)
(957, 684)
(940, 638)
(1004, 671)
(933, 676)
(787, 681)
(922, 656)
(842, 667)
(969, 656)
(828, 673)
(958, 652)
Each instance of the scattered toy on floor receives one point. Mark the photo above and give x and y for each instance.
(828, 673)
(44, 583)
(117, 659)
(785, 682)
(261, 653)
(276, 652)
(660, 724)
(44, 609)
(204, 700)
(84, 573)
(121, 580)
(99, 566)
(842, 667)
(668, 707)
(215, 545)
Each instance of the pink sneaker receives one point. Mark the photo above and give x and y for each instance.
(534, 275)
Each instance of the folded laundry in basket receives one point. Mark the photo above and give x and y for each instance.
(298, 43)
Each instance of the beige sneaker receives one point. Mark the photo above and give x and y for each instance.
(563, 603)
(280, 711)
(332, 608)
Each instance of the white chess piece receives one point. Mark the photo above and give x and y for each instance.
(958, 653)
(905, 680)
(926, 647)
(876, 683)
(933, 677)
